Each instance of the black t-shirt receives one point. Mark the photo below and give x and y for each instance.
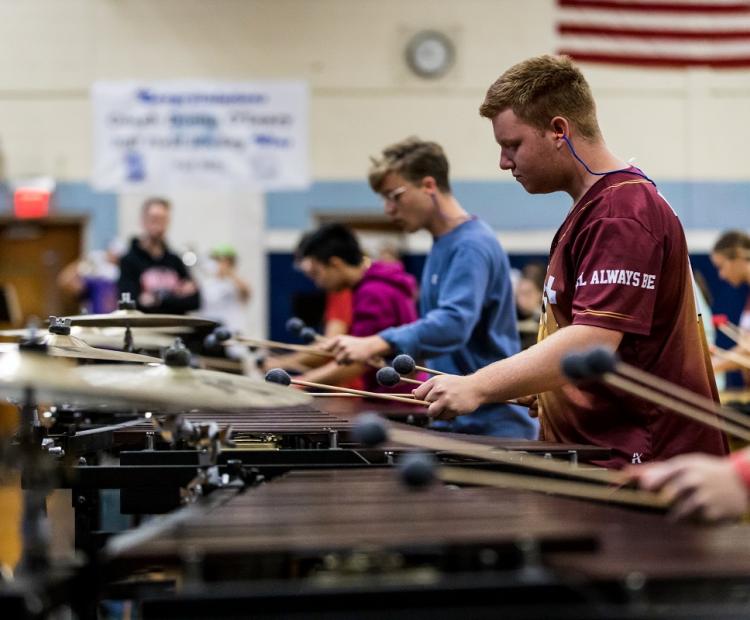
(162, 276)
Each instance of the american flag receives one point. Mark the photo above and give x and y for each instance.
(654, 33)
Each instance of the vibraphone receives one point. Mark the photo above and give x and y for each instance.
(359, 544)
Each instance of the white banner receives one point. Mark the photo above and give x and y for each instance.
(200, 134)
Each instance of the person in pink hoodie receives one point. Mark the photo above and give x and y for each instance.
(383, 295)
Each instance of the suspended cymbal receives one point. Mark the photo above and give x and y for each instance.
(113, 337)
(109, 337)
(52, 379)
(18, 334)
(168, 388)
(136, 318)
(69, 346)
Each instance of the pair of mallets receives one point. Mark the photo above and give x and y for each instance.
(598, 364)
(386, 376)
(403, 364)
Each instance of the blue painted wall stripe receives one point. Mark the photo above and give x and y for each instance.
(505, 206)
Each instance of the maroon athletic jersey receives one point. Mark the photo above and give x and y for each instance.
(620, 261)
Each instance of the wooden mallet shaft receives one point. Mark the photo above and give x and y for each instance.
(602, 365)
(730, 331)
(273, 344)
(433, 441)
(373, 362)
(566, 488)
(335, 388)
(732, 356)
(683, 394)
(335, 394)
(685, 409)
(412, 381)
(430, 371)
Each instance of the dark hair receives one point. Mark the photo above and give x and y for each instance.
(733, 244)
(536, 272)
(298, 255)
(414, 159)
(331, 240)
(155, 200)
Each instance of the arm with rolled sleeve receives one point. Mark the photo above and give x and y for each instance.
(447, 327)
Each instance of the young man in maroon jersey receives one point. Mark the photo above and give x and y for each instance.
(618, 276)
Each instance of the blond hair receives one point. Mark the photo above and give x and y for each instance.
(414, 159)
(540, 88)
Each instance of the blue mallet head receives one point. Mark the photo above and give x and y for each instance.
(600, 360)
(574, 367)
(307, 334)
(370, 430)
(417, 469)
(222, 334)
(387, 377)
(404, 364)
(278, 375)
(295, 325)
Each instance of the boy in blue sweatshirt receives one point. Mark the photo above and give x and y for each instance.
(466, 299)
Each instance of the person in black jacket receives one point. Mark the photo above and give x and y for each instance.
(153, 275)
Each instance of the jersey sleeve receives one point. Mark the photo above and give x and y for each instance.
(618, 265)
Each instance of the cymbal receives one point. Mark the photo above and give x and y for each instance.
(136, 318)
(69, 346)
(52, 379)
(18, 334)
(170, 388)
(108, 337)
(112, 337)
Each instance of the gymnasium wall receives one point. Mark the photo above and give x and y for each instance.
(687, 129)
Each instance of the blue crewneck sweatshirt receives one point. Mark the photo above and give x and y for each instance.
(468, 321)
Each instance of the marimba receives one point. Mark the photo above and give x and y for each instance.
(359, 543)
(271, 442)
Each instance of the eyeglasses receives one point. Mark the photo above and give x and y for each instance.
(394, 194)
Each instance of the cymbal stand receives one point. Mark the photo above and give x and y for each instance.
(36, 473)
(208, 439)
(127, 303)
(128, 345)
